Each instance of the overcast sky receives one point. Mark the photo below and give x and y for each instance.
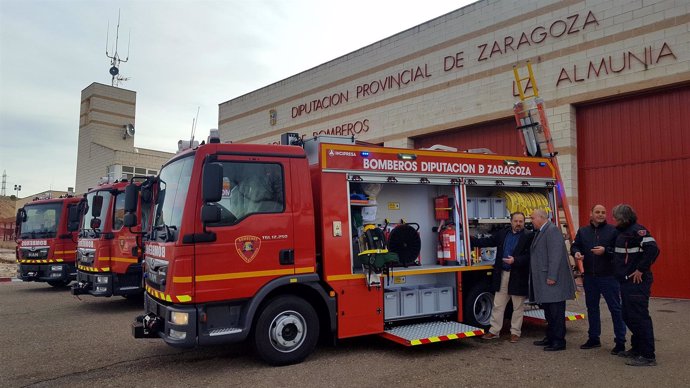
(184, 54)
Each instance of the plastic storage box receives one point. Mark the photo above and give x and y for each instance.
(471, 207)
(428, 299)
(446, 299)
(483, 207)
(498, 208)
(409, 304)
(391, 303)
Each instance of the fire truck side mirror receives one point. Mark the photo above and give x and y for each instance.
(21, 216)
(210, 213)
(96, 206)
(73, 219)
(131, 194)
(130, 220)
(212, 182)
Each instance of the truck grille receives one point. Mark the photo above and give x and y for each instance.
(86, 256)
(33, 253)
(156, 273)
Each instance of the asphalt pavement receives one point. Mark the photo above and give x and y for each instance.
(52, 339)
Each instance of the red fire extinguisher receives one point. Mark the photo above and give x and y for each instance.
(448, 245)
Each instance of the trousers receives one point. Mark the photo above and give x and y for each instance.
(635, 299)
(608, 287)
(501, 299)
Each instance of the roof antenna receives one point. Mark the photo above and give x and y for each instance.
(115, 59)
(194, 122)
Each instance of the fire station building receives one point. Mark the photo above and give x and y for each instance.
(614, 75)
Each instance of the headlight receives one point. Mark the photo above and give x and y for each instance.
(55, 275)
(56, 268)
(101, 289)
(179, 318)
(101, 279)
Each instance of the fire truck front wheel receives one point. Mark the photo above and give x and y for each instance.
(286, 331)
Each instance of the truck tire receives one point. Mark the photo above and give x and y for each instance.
(59, 283)
(287, 330)
(477, 306)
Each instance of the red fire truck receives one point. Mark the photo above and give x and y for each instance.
(279, 244)
(109, 254)
(46, 241)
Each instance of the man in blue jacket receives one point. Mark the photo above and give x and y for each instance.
(510, 275)
(594, 245)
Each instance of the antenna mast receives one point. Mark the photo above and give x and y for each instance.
(194, 122)
(115, 59)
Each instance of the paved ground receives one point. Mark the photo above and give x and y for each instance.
(8, 266)
(49, 338)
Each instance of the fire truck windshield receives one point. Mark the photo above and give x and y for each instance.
(87, 230)
(172, 193)
(41, 221)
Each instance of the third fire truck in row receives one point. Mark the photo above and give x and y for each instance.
(47, 239)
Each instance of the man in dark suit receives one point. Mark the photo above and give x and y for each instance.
(510, 275)
(552, 280)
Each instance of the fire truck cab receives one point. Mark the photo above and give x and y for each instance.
(109, 254)
(280, 244)
(46, 241)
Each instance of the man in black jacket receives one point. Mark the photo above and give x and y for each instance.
(510, 275)
(635, 252)
(594, 244)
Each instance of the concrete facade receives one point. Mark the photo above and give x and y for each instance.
(456, 70)
(104, 147)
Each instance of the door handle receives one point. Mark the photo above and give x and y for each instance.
(286, 257)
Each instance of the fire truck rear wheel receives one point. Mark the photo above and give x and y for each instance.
(287, 330)
(477, 306)
(59, 283)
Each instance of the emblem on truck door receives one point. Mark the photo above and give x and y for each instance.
(248, 247)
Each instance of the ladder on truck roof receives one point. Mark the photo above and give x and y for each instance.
(537, 141)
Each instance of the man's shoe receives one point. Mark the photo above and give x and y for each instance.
(618, 349)
(591, 344)
(544, 342)
(628, 354)
(552, 348)
(489, 336)
(514, 338)
(641, 361)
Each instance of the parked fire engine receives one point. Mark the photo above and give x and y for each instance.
(109, 255)
(280, 244)
(46, 241)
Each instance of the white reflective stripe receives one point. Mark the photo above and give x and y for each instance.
(629, 250)
(647, 239)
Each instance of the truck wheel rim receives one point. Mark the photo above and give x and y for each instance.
(287, 331)
(482, 308)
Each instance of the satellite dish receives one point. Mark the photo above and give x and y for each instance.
(129, 130)
(114, 71)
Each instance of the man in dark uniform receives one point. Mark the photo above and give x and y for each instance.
(594, 245)
(635, 252)
(510, 275)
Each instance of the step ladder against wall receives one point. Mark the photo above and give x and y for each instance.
(537, 141)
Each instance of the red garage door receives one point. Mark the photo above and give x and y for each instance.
(636, 150)
(499, 136)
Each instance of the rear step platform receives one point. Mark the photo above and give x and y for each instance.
(429, 332)
(537, 315)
